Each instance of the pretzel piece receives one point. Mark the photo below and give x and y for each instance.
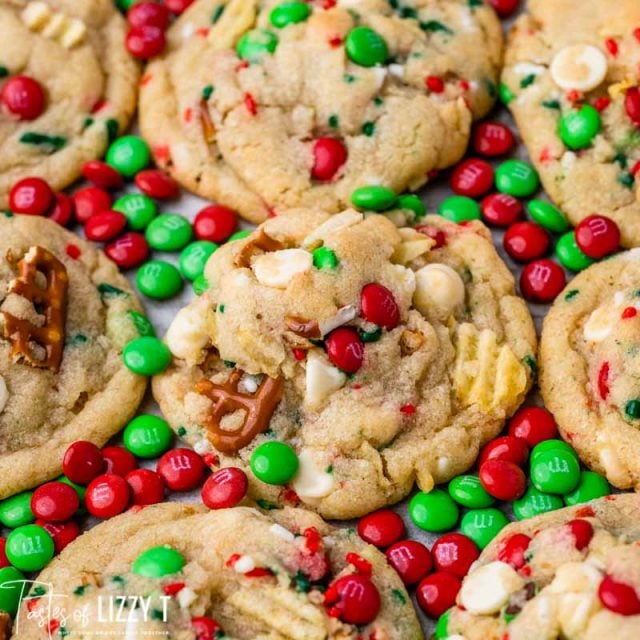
(226, 397)
(208, 128)
(5, 623)
(262, 242)
(50, 301)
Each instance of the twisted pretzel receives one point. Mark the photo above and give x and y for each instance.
(52, 300)
(226, 399)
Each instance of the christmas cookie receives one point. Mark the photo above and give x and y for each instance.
(186, 572)
(570, 80)
(590, 377)
(339, 358)
(571, 574)
(266, 105)
(65, 316)
(67, 87)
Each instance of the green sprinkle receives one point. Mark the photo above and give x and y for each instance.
(113, 128)
(632, 409)
(626, 180)
(378, 101)
(475, 3)
(77, 339)
(408, 12)
(63, 632)
(7, 214)
(530, 361)
(527, 81)
(87, 123)
(40, 139)
(491, 87)
(266, 505)
(302, 583)
(142, 324)
(551, 104)
(348, 78)
(506, 95)
(109, 291)
(329, 469)
(433, 26)
(216, 15)
(208, 90)
(229, 364)
(399, 596)
(156, 614)
(368, 128)
(620, 159)
(182, 432)
(37, 592)
(4, 72)
(370, 336)
(78, 591)
(333, 121)
(118, 579)
(570, 295)
(221, 308)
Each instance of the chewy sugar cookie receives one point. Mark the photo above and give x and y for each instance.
(339, 358)
(266, 105)
(571, 574)
(67, 87)
(590, 367)
(285, 575)
(65, 315)
(571, 81)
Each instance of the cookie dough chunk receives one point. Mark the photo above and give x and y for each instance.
(65, 316)
(285, 575)
(266, 105)
(571, 574)
(379, 354)
(590, 359)
(75, 49)
(571, 79)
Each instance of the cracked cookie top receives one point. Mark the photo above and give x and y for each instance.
(285, 575)
(379, 355)
(267, 105)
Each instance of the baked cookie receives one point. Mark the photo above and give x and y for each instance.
(570, 79)
(65, 316)
(75, 50)
(266, 105)
(381, 355)
(285, 575)
(590, 375)
(571, 574)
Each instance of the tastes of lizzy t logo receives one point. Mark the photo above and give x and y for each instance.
(122, 615)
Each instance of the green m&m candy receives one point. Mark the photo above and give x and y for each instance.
(579, 127)
(468, 491)
(239, 235)
(374, 198)
(125, 5)
(29, 548)
(147, 436)
(434, 511)
(158, 279)
(551, 445)
(128, 155)
(517, 178)
(11, 588)
(158, 562)
(200, 285)
(459, 209)
(569, 253)
(366, 47)
(555, 471)
(325, 259)
(483, 525)
(168, 232)
(16, 510)
(534, 502)
(591, 486)
(256, 43)
(274, 462)
(194, 258)
(146, 356)
(142, 323)
(548, 216)
(413, 203)
(289, 13)
(442, 626)
(137, 208)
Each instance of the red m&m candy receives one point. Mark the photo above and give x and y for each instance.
(542, 281)
(215, 223)
(118, 461)
(129, 250)
(205, 628)
(345, 349)
(54, 502)
(177, 7)
(104, 226)
(502, 479)
(454, 553)
(4, 561)
(505, 448)
(504, 8)
(329, 154)
(148, 13)
(379, 306)
(526, 241)
(513, 548)
(411, 559)
(89, 201)
(619, 597)
(437, 593)
(102, 175)
(500, 209)
(354, 599)
(146, 486)
(82, 462)
(492, 139)
(23, 97)
(598, 236)
(107, 496)
(31, 196)
(472, 177)
(181, 469)
(157, 184)
(61, 210)
(533, 424)
(145, 42)
(63, 533)
(582, 532)
(381, 528)
(225, 488)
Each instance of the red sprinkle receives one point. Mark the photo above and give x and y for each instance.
(602, 103)
(434, 84)
(299, 354)
(250, 104)
(612, 46)
(408, 409)
(335, 41)
(73, 251)
(629, 312)
(173, 588)
(362, 566)
(603, 380)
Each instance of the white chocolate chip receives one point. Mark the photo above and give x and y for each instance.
(322, 379)
(335, 223)
(568, 160)
(396, 70)
(575, 576)
(187, 335)
(488, 589)
(186, 597)
(281, 532)
(575, 611)
(311, 482)
(4, 394)
(278, 268)
(249, 383)
(74, 34)
(579, 66)
(244, 564)
(344, 315)
(600, 324)
(35, 15)
(56, 26)
(202, 446)
(439, 290)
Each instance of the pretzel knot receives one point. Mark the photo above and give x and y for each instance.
(49, 301)
(226, 397)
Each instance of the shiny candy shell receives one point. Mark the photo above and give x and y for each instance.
(381, 528)
(29, 548)
(472, 177)
(526, 241)
(107, 496)
(181, 469)
(158, 562)
(225, 488)
(500, 209)
(597, 236)
(454, 553)
(128, 251)
(533, 424)
(437, 593)
(542, 281)
(411, 559)
(54, 502)
(379, 306)
(492, 139)
(345, 349)
(503, 479)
